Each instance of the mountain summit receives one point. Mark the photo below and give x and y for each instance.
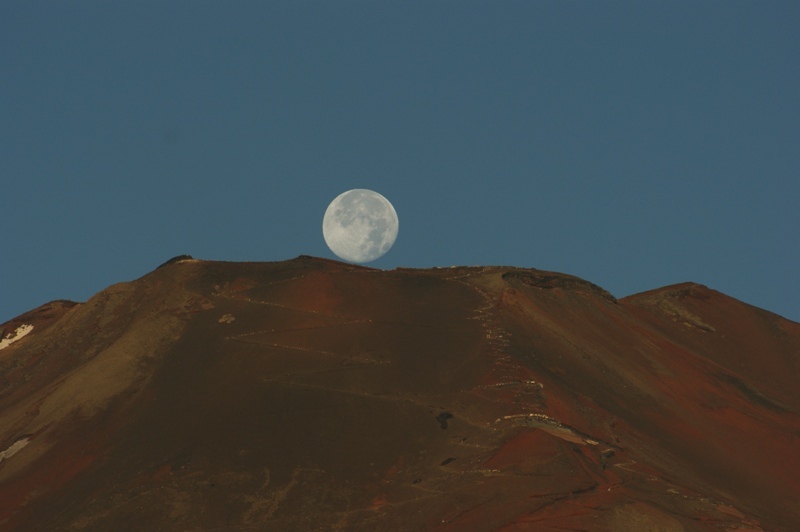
(315, 395)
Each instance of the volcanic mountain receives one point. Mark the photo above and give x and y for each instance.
(315, 395)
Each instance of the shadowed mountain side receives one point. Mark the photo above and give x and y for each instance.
(311, 394)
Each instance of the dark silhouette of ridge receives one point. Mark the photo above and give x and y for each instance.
(310, 394)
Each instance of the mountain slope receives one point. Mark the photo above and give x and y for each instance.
(310, 394)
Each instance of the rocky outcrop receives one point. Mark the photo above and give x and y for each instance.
(550, 281)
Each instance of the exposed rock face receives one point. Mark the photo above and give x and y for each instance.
(549, 280)
(315, 395)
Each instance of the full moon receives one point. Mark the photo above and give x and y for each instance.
(360, 225)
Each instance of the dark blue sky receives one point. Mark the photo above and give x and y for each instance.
(634, 144)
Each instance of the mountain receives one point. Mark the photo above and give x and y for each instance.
(314, 395)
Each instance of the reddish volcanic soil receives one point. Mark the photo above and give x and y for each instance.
(314, 395)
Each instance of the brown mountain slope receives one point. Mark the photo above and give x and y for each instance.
(315, 395)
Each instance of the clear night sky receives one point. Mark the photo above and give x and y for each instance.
(635, 144)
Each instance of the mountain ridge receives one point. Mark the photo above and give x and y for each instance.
(314, 394)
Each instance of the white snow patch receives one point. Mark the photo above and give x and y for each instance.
(21, 331)
(14, 449)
